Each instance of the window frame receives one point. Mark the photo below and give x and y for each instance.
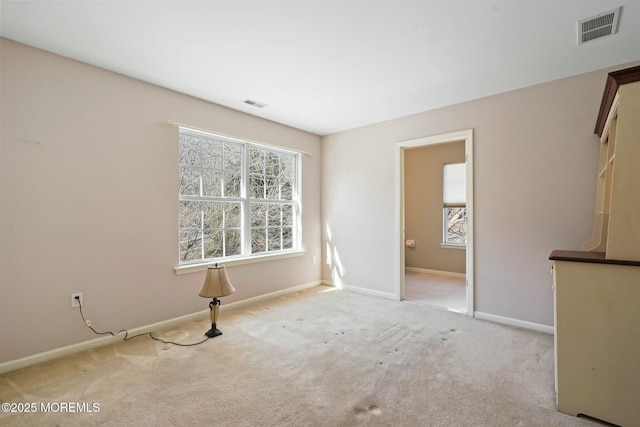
(244, 199)
(452, 199)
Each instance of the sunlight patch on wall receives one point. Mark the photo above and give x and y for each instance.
(334, 262)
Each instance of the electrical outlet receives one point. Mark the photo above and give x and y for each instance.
(74, 299)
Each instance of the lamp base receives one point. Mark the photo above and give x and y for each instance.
(213, 332)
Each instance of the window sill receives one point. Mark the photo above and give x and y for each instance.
(192, 268)
(453, 245)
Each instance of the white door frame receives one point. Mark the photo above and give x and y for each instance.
(467, 137)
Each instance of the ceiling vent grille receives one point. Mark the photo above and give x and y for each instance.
(596, 27)
(257, 104)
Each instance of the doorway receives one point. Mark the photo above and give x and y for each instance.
(449, 287)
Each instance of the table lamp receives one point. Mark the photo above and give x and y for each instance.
(215, 285)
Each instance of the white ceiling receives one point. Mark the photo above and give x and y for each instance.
(329, 65)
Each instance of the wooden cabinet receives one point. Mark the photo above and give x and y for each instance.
(597, 290)
(597, 336)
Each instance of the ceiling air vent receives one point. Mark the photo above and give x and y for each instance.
(602, 25)
(255, 103)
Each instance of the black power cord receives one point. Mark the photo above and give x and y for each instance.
(126, 333)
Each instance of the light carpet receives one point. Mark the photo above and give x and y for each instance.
(320, 357)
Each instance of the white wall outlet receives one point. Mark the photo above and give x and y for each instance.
(74, 301)
(313, 259)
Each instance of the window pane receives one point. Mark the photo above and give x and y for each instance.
(211, 154)
(456, 226)
(211, 183)
(287, 215)
(212, 240)
(272, 164)
(189, 181)
(274, 215)
(256, 187)
(232, 183)
(287, 165)
(232, 156)
(272, 188)
(258, 240)
(287, 238)
(190, 245)
(274, 239)
(256, 160)
(189, 215)
(286, 189)
(258, 214)
(232, 242)
(213, 215)
(232, 216)
(189, 151)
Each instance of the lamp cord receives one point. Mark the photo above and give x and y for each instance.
(126, 333)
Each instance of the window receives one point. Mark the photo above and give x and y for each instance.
(454, 204)
(455, 226)
(236, 199)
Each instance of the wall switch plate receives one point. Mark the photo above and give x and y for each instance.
(74, 301)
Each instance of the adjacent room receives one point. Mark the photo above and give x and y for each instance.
(349, 209)
(435, 215)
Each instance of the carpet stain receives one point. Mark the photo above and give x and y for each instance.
(365, 412)
(375, 410)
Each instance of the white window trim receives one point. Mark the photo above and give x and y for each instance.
(453, 245)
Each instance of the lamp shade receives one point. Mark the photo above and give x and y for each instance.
(217, 283)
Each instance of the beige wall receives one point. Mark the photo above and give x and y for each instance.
(535, 161)
(88, 197)
(88, 202)
(423, 207)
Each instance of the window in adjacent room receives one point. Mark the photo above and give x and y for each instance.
(236, 199)
(454, 205)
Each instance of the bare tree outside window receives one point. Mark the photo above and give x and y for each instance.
(271, 175)
(455, 225)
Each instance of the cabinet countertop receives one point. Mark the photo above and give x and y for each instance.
(591, 257)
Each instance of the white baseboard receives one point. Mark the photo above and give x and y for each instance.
(12, 365)
(360, 290)
(366, 291)
(515, 322)
(436, 272)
